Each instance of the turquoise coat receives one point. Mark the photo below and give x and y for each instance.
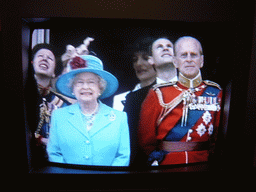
(107, 143)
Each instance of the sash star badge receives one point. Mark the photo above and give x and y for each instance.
(201, 130)
(210, 129)
(207, 117)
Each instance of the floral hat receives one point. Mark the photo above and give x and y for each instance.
(86, 63)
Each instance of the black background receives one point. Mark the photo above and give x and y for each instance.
(114, 39)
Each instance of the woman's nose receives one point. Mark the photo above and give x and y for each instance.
(139, 62)
(45, 57)
(86, 85)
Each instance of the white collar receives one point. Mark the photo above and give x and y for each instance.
(160, 81)
(137, 87)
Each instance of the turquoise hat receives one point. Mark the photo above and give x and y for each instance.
(86, 63)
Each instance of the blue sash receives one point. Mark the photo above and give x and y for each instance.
(178, 132)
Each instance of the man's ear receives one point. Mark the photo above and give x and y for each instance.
(202, 61)
(151, 60)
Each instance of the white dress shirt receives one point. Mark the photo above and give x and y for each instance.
(118, 99)
(160, 81)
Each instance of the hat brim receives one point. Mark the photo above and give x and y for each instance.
(63, 83)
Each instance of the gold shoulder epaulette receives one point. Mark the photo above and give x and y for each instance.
(164, 84)
(211, 83)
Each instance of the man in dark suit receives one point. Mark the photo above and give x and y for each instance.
(131, 101)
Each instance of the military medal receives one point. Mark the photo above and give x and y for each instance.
(190, 102)
(204, 103)
(188, 97)
(45, 114)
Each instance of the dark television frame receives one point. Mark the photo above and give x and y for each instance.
(238, 142)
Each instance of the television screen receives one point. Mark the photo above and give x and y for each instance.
(227, 38)
(92, 91)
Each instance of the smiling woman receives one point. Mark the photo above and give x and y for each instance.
(44, 62)
(87, 87)
(88, 132)
(45, 69)
(79, 82)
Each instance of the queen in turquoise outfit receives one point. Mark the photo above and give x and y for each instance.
(88, 132)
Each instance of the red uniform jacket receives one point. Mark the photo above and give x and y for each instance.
(202, 121)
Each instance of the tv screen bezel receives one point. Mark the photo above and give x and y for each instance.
(238, 144)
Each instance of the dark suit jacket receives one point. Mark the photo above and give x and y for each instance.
(132, 107)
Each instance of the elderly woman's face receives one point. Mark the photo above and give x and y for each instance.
(86, 87)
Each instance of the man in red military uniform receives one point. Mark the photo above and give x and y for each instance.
(179, 121)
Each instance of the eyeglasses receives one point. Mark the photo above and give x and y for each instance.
(88, 83)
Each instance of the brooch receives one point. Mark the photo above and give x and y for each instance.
(112, 116)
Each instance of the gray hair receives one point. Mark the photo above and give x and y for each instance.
(187, 38)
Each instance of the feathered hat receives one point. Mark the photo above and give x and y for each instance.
(77, 62)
